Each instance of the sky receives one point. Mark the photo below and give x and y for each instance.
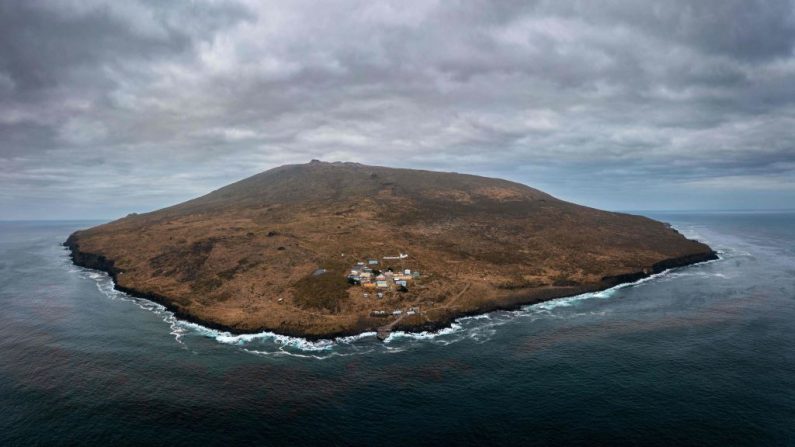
(112, 107)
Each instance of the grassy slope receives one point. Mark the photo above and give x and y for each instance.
(239, 256)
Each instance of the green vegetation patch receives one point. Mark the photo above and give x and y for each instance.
(326, 292)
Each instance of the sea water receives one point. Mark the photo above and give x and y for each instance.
(698, 355)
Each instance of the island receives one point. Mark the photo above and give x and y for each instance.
(321, 250)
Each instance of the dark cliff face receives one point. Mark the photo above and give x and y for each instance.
(238, 258)
(659, 267)
(89, 260)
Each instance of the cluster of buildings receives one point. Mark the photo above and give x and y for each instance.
(396, 312)
(368, 275)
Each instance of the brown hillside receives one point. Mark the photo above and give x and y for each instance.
(247, 256)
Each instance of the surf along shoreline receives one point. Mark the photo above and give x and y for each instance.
(512, 302)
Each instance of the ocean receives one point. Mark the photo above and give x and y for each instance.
(701, 355)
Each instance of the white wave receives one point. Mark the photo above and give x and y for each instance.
(285, 353)
(302, 352)
(699, 274)
(354, 338)
(106, 286)
(424, 335)
(487, 316)
(601, 294)
(298, 343)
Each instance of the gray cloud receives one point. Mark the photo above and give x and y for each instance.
(110, 107)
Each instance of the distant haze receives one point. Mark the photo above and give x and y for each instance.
(111, 107)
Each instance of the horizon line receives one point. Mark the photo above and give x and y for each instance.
(705, 211)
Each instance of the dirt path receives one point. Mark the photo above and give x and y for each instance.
(383, 332)
(458, 295)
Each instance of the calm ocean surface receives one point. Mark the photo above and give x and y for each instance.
(700, 355)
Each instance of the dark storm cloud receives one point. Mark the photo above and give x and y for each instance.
(107, 107)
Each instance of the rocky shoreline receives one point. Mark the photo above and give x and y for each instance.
(513, 302)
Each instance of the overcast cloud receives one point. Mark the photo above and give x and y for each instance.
(110, 107)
